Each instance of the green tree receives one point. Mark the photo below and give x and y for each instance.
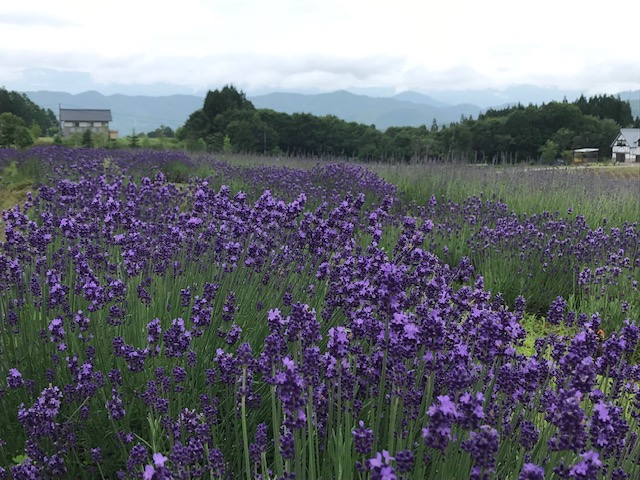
(606, 107)
(226, 145)
(13, 132)
(21, 106)
(549, 151)
(198, 125)
(134, 140)
(36, 130)
(564, 138)
(243, 135)
(218, 102)
(220, 108)
(161, 132)
(87, 139)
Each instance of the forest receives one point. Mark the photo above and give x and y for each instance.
(22, 121)
(228, 121)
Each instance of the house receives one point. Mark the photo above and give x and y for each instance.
(77, 120)
(626, 146)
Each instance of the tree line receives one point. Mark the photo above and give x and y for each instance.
(22, 121)
(229, 121)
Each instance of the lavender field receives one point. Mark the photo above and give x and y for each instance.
(163, 317)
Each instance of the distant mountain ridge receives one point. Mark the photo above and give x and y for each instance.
(146, 113)
(383, 112)
(129, 112)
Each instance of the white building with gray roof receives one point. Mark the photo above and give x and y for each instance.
(77, 120)
(626, 146)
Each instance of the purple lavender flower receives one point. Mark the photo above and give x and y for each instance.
(154, 330)
(287, 446)
(176, 339)
(179, 374)
(482, 446)
(404, 461)
(115, 407)
(39, 420)
(115, 377)
(234, 334)
(26, 470)
(14, 379)
(229, 307)
(584, 376)
(608, 429)
(218, 465)
(471, 410)
(531, 471)
(438, 433)
(528, 435)
(291, 390)
(96, 455)
(362, 439)
(338, 341)
(259, 446)
(588, 468)
(209, 291)
(566, 414)
(185, 296)
(144, 295)
(56, 331)
(137, 456)
(380, 466)
(157, 471)
(556, 312)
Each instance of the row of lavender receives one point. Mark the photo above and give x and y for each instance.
(156, 330)
(543, 256)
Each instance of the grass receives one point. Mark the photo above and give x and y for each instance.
(596, 192)
(16, 180)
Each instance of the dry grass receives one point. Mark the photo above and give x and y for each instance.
(626, 171)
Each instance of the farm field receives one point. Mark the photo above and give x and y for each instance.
(166, 316)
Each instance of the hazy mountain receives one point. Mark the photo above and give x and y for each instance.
(633, 97)
(146, 113)
(142, 113)
(524, 94)
(421, 98)
(383, 112)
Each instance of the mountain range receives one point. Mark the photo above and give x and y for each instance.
(141, 113)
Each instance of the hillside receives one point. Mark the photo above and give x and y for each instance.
(142, 113)
(146, 113)
(383, 112)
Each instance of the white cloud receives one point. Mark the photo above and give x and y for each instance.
(325, 45)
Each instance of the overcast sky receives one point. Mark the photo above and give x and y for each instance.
(328, 44)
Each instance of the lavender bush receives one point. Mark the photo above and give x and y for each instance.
(300, 328)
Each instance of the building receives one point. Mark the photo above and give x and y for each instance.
(582, 155)
(77, 120)
(626, 146)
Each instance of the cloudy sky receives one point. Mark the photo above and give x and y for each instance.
(326, 45)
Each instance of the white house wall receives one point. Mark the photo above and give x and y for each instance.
(631, 154)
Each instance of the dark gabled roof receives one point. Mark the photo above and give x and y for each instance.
(84, 115)
(631, 136)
